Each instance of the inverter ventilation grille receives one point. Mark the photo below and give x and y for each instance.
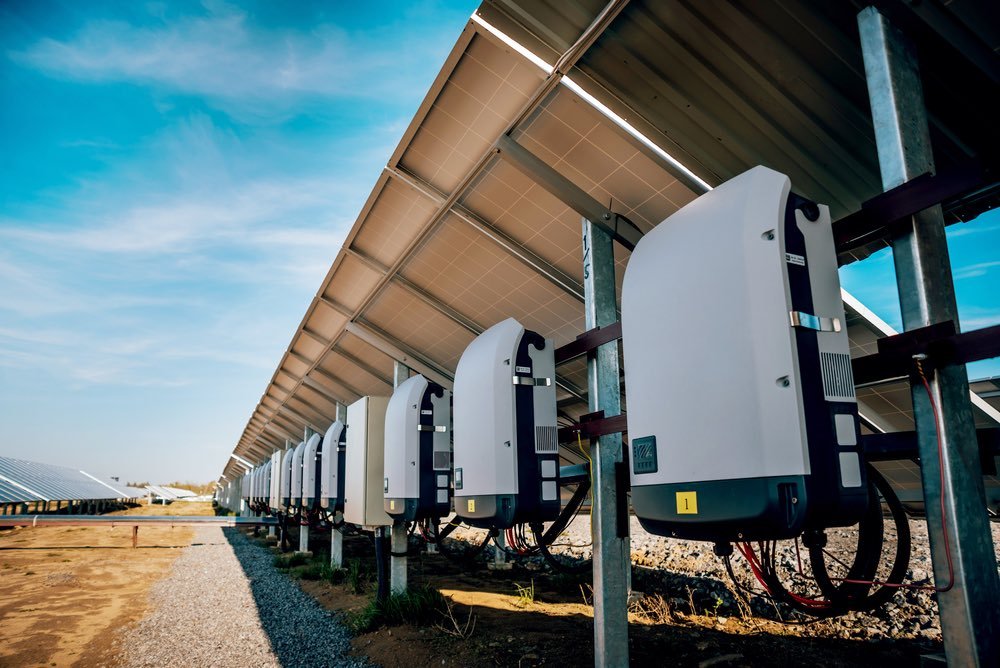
(838, 379)
(546, 440)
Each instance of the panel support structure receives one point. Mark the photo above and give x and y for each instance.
(612, 558)
(396, 350)
(617, 226)
(398, 542)
(336, 537)
(970, 618)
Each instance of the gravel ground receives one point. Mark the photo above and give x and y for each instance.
(224, 604)
(675, 568)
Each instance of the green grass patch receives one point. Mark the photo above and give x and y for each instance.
(420, 606)
(286, 561)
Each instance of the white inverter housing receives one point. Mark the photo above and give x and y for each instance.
(363, 469)
(251, 493)
(311, 464)
(285, 497)
(741, 414)
(506, 444)
(331, 469)
(295, 486)
(418, 451)
(261, 491)
(274, 484)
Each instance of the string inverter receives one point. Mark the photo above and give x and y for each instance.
(274, 484)
(506, 444)
(285, 495)
(295, 486)
(311, 465)
(363, 463)
(418, 451)
(331, 469)
(264, 483)
(742, 416)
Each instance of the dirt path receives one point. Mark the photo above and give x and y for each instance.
(65, 592)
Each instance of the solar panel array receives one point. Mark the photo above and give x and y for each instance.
(454, 237)
(169, 493)
(22, 481)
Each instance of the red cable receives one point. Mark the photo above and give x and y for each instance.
(944, 516)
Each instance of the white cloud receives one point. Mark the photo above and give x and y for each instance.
(242, 67)
(975, 270)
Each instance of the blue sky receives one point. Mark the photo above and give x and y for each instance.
(175, 179)
(975, 259)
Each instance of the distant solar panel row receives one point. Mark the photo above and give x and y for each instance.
(170, 493)
(22, 481)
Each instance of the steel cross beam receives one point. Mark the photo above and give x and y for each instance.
(301, 417)
(620, 228)
(322, 389)
(361, 364)
(276, 427)
(311, 406)
(961, 543)
(400, 352)
(519, 251)
(455, 316)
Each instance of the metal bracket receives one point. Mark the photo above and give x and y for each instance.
(440, 428)
(535, 382)
(814, 322)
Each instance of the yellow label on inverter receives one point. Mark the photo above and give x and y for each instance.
(472, 505)
(392, 504)
(687, 503)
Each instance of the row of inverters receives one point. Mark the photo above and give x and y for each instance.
(742, 417)
(405, 458)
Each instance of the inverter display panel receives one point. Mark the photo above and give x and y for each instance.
(742, 417)
(506, 448)
(363, 463)
(418, 451)
(331, 469)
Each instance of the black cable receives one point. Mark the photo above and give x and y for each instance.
(381, 565)
(901, 559)
(580, 567)
(465, 556)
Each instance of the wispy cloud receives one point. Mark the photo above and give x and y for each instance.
(118, 280)
(976, 270)
(226, 58)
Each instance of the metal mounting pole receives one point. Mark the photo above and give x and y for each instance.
(398, 541)
(970, 617)
(307, 433)
(612, 559)
(337, 538)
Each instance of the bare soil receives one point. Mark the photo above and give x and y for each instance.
(555, 626)
(65, 592)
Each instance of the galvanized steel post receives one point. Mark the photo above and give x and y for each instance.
(303, 523)
(970, 617)
(612, 559)
(337, 538)
(398, 542)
